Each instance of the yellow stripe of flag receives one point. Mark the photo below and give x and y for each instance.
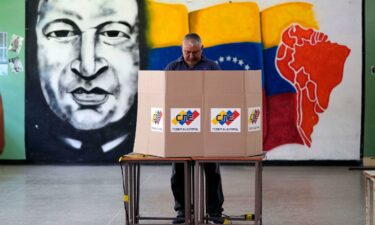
(227, 23)
(167, 24)
(277, 18)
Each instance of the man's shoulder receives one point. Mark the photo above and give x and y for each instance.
(174, 65)
(211, 64)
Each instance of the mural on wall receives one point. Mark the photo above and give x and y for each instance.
(302, 67)
(80, 95)
(230, 50)
(313, 90)
(314, 66)
(81, 74)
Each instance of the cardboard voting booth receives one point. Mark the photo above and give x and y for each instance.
(199, 113)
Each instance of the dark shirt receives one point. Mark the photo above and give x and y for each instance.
(203, 64)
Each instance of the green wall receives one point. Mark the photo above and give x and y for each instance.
(369, 121)
(12, 86)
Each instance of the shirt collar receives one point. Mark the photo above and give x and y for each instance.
(181, 59)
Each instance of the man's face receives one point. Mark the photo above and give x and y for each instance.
(192, 53)
(88, 59)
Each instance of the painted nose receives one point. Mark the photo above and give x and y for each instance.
(89, 65)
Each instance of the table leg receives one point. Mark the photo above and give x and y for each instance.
(258, 193)
(131, 193)
(126, 191)
(137, 192)
(202, 192)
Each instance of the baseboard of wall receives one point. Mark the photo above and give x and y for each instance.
(13, 162)
(348, 163)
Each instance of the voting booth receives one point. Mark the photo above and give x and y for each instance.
(199, 113)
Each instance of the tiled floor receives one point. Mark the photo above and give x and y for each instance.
(92, 195)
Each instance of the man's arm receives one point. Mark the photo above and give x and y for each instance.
(171, 66)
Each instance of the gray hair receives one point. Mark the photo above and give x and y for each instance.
(193, 38)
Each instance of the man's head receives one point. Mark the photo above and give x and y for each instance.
(88, 58)
(192, 49)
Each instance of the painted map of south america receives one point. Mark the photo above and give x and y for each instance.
(314, 66)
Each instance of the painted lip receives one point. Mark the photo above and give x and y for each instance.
(93, 97)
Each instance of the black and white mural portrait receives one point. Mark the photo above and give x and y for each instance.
(81, 86)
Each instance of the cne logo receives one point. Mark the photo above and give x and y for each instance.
(225, 117)
(254, 116)
(185, 120)
(157, 121)
(187, 117)
(157, 116)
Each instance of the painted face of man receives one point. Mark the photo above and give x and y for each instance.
(88, 59)
(191, 52)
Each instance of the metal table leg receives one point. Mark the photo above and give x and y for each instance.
(258, 193)
(187, 193)
(200, 189)
(200, 194)
(196, 195)
(125, 182)
(131, 193)
(137, 192)
(131, 184)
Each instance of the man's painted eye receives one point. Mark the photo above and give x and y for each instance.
(115, 34)
(61, 30)
(61, 34)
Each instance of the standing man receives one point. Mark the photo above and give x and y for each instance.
(192, 59)
(84, 66)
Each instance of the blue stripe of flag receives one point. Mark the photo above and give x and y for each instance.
(158, 58)
(275, 84)
(237, 56)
